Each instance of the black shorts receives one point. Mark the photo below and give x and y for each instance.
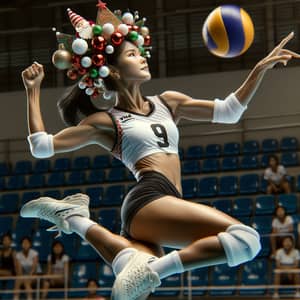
(151, 186)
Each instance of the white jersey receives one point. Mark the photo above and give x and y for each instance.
(141, 135)
(277, 176)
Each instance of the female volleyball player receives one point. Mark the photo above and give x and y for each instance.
(142, 132)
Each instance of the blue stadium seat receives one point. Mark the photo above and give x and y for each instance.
(265, 246)
(263, 184)
(170, 282)
(81, 272)
(86, 252)
(194, 152)
(23, 167)
(81, 163)
(269, 145)
(198, 278)
(242, 207)
(106, 277)
(116, 174)
(254, 273)
(181, 153)
(231, 148)
(230, 163)
(6, 224)
(41, 166)
(223, 275)
(56, 194)
(191, 167)
(76, 178)
(210, 165)
(264, 160)
(9, 203)
(69, 192)
(249, 162)
(56, 179)
(116, 163)
(207, 187)
(189, 188)
(244, 220)
(96, 176)
(289, 202)
(265, 205)
(109, 218)
(24, 227)
(15, 182)
(36, 181)
(27, 196)
(289, 144)
(62, 164)
(113, 195)
(249, 184)
(224, 205)
(4, 169)
(263, 224)
(101, 162)
(42, 241)
(250, 147)
(228, 186)
(2, 183)
(213, 150)
(96, 196)
(289, 159)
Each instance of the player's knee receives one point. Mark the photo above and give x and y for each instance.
(241, 243)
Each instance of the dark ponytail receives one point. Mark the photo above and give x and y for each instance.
(74, 105)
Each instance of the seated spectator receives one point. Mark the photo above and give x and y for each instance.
(275, 174)
(282, 225)
(58, 264)
(7, 259)
(287, 258)
(27, 263)
(93, 286)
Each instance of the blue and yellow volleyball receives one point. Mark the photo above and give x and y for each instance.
(228, 31)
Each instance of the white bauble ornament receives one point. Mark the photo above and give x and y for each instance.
(128, 18)
(109, 49)
(140, 40)
(108, 29)
(89, 91)
(86, 62)
(123, 28)
(81, 85)
(104, 71)
(79, 46)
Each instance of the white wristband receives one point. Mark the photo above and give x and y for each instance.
(228, 111)
(41, 144)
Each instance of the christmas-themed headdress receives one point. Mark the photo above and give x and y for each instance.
(85, 54)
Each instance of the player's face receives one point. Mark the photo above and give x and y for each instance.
(133, 67)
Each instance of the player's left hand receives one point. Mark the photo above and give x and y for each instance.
(278, 55)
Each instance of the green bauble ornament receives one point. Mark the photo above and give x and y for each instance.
(97, 30)
(142, 50)
(93, 73)
(133, 35)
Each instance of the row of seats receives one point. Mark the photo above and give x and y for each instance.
(234, 163)
(258, 272)
(193, 152)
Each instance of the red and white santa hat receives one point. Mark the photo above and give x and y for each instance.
(74, 18)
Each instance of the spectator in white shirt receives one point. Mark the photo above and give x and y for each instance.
(27, 263)
(275, 174)
(287, 258)
(58, 264)
(282, 225)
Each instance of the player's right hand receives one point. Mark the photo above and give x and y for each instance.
(33, 75)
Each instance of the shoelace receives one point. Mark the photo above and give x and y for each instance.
(136, 286)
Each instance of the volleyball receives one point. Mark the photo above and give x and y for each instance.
(228, 31)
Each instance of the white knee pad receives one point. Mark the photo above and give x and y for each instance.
(241, 244)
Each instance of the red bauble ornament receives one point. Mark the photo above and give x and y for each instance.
(89, 81)
(76, 61)
(136, 28)
(117, 38)
(147, 40)
(98, 43)
(96, 94)
(130, 27)
(82, 70)
(72, 74)
(98, 60)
